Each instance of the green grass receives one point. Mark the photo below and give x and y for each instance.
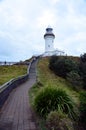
(45, 77)
(9, 72)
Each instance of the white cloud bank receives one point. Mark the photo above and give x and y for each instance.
(23, 23)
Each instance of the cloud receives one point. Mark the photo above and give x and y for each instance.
(46, 18)
(72, 28)
(23, 23)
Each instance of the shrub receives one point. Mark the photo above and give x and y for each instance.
(63, 65)
(52, 61)
(50, 99)
(82, 68)
(83, 106)
(75, 79)
(83, 57)
(58, 121)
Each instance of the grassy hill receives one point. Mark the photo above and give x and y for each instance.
(9, 72)
(47, 77)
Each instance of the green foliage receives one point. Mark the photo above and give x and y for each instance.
(75, 79)
(83, 106)
(50, 98)
(82, 67)
(58, 121)
(47, 78)
(74, 71)
(33, 91)
(83, 57)
(52, 61)
(62, 65)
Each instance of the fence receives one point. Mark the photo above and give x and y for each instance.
(6, 88)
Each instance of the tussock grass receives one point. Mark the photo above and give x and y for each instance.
(9, 72)
(51, 98)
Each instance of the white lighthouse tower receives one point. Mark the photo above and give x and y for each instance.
(49, 39)
(49, 43)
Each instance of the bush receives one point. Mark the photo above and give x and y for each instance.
(82, 68)
(83, 106)
(53, 59)
(62, 65)
(83, 57)
(75, 79)
(58, 121)
(50, 99)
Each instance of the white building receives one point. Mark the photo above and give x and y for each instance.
(49, 43)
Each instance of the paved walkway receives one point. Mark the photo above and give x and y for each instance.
(16, 113)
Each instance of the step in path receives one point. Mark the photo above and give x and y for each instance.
(16, 113)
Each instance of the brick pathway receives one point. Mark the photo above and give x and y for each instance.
(16, 113)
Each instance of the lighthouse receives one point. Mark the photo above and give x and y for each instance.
(49, 43)
(49, 40)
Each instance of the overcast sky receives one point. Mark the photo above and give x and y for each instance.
(23, 24)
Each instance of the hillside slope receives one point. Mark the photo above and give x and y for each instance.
(47, 77)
